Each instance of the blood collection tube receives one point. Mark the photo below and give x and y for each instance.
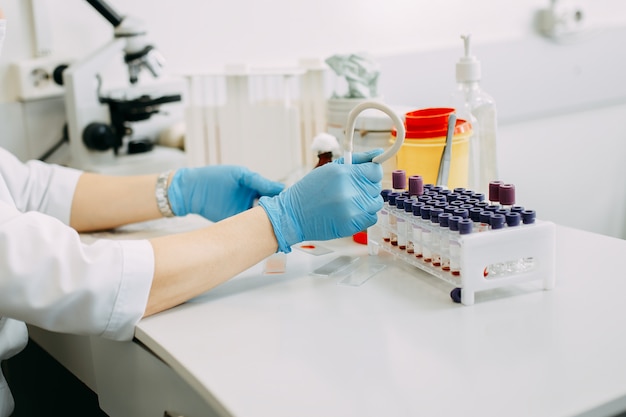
(424, 198)
(417, 228)
(440, 197)
(452, 196)
(506, 195)
(528, 216)
(513, 219)
(516, 209)
(400, 223)
(502, 211)
(482, 204)
(464, 213)
(416, 185)
(496, 221)
(426, 233)
(446, 193)
(494, 192)
(485, 221)
(408, 218)
(528, 219)
(444, 241)
(463, 198)
(474, 215)
(453, 237)
(467, 193)
(464, 228)
(398, 183)
(435, 236)
(478, 196)
(383, 215)
(393, 236)
(398, 180)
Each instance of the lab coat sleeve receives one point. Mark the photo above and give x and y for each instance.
(49, 278)
(37, 186)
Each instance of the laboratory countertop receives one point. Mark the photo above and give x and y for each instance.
(295, 344)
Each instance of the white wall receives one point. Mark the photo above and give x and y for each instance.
(197, 34)
(200, 35)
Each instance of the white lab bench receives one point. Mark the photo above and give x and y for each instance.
(297, 345)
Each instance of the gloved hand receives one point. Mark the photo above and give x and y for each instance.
(334, 200)
(218, 191)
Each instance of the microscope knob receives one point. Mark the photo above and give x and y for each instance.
(57, 74)
(99, 136)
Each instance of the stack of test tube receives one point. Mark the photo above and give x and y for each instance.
(472, 241)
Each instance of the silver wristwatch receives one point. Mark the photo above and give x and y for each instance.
(160, 191)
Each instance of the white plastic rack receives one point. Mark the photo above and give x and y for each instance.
(486, 260)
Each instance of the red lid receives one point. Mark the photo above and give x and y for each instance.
(461, 126)
(433, 118)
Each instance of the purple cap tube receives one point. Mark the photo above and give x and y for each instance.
(434, 214)
(465, 226)
(513, 219)
(528, 216)
(416, 185)
(497, 221)
(494, 191)
(507, 194)
(416, 207)
(398, 179)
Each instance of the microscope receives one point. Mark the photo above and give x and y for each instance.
(103, 129)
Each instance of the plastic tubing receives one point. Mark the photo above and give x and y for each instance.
(350, 125)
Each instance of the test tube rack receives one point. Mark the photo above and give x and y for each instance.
(479, 251)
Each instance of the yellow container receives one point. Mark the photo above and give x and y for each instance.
(423, 146)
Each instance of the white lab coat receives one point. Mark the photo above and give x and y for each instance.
(48, 277)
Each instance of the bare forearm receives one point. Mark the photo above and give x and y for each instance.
(104, 202)
(189, 264)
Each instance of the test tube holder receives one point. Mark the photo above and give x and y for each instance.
(482, 249)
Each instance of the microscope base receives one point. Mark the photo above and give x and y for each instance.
(157, 160)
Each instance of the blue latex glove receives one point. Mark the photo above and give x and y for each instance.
(334, 200)
(218, 191)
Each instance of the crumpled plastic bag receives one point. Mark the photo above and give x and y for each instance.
(361, 73)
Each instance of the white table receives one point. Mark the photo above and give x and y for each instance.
(297, 345)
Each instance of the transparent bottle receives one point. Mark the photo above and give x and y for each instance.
(472, 103)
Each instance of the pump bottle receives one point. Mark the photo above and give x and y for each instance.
(474, 104)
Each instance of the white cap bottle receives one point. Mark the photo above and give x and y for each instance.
(472, 103)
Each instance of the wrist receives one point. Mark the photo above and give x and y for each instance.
(285, 229)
